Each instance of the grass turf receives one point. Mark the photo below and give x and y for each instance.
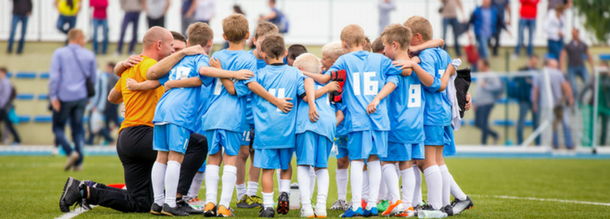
(31, 187)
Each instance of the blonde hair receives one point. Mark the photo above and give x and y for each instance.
(420, 25)
(265, 28)
(397, 33)
(75, 34)
(333, 50)
(353, 35)
(235, 27)
(199, 33)
(308, 62)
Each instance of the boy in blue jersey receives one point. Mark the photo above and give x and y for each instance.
(314, 140)
(247, 195)
(275, 126)
(369, 78)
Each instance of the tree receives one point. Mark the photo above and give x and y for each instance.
(597, 17)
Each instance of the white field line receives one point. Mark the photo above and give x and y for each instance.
(543, 199)
(74, 213)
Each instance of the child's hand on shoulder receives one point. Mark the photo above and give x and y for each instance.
(193, 50)
(131, 83)
(403, 64)
(215, 63)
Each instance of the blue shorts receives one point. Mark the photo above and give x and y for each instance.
(449, 149)
(313, 149)
(170, 137)
(436, 136)
(404, 152)
(247, 135)
(229, 140)
(341, 142)
(202, 168)
(365, 143)
(273, 158)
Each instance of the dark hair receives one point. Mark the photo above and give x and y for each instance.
(295, 50)
(273, 46)
(111, 64)
(3, 69)
(237, 9)
(272, 1)
(178, 36)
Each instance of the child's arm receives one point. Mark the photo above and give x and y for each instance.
(165, 65)
(385, 91)
(189, 82)
(445, 79)
(134, 85)
(330, 87)
(317, 77)
(228, 84)
(280, 103)
(127, 63)
(425, 78)
(243, 74)
(428, 44)
(340, 116)
(310, 89)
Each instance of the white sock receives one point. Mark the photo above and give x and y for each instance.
(342, 177)
(456, 191)
(172, 176)
(303, 178)
(240, 190)
(158, 182)
(211, 183)
(434, 180)
(323, 184)
(365, 186)
(285, 185)
(446, 185)
(382, 188)
(312, 181)
(196, 185)
(278, 173)
(417, 195)
(391, 180)
(408, 187)
(356, 179)
(374, 168)
(229, 175)
(252, 188)
(268, 200)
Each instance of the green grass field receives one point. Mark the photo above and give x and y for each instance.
(31, 187)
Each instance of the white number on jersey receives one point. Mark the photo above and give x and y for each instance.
(371, 87)
(279, 93)
(180, 73)
(414, 95)
(326, 100)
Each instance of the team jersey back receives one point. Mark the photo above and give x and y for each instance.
(274, 128)
(227, 111)
(366, 75)
(438, 108)
(179, 106)
(204, 95)
(406, 106)
(325, 126)
(260, 64)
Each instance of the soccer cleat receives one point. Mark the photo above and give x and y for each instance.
(248, 202)
(321, 211)
(175, 211)
(394, 209)
(407, 213)
(71, 195)
(383, 205)
(196, 203)
(448, 210)
(351, 213)
(210, 210)
(307, 212)
(461, 205)
(225, 212)
(156, 209)
(373, 212)
(340, 205)
(283, 205)
(257, 200)
(188, 208)
(428, 212)
(266, 212)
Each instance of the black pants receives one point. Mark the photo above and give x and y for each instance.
(156, 22)
(134, 148)
(9, 125)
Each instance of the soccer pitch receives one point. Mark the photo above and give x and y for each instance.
(500, 188)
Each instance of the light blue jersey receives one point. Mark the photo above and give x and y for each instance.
(226, 111)
(179, 106)
(260, 64)
(274, 128)
(341, 128)
(438, 108)
(205, 94)
(325, 126)
(406, 106)
(367, 73)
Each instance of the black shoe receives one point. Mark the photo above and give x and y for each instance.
(156, 209)
(267, 212)
(70, 195)
(448, 209)
(461, 205)
(187, 208)
(175, 211)
(283, 203)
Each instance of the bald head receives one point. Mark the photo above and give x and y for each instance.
(158, 41)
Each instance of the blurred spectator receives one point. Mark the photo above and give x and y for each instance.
(276, 17)
(205, 11)
(155, 12)
(188, 9)
(71, 67)
(488, 89)
(7, 95)
(523, 91)
(527, 20)
(553, 26)
(552, 3)
(500, 6)
(111, 112)
(100, 19)
(68, 9)
(449, 13)
(385, 7)
(22, 9)
(97, 105)
(485, 20)
(575, 51)
(603, 102)
(560, 94)
(132, 10)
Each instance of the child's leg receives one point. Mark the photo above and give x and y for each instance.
(232, 141)
(366, 189)
(391, 181)
(374, 169)
(303, 178)
(212, 177)
(356, 176)
(158, 177)
(240, 164)
(434, 178)
(312, 181)
(172, 176)
(417, 194)
(253, 175)
(446, 196)
(267, 181)
(408, 182)
(342, 177)
(323, 184)
(196, 184)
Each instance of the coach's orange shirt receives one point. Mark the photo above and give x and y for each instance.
(139, 105)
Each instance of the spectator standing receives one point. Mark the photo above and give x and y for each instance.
(68, 9)
(385, 7)
(132, 10)
(188, 9)
(111, 112)
(71, 67)
(500, 6)
(523, 90)
(205, 11)
(22, 9)
(7, 95)
(527, 20)
(155, 12)
(276, 17)
(552, 3)
(488, 88)
(449, 14)
(553, 26)
(485, 19)
(574, 52)
(97, 104)
(100, 20)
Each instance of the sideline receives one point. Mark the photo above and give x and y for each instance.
(542, 199)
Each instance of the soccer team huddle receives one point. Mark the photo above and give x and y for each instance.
(388, 111)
